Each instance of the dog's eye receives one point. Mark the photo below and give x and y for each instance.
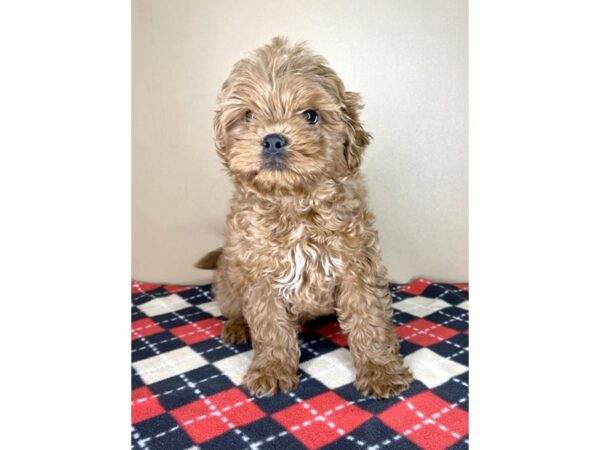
(249, 116)
(311, 116)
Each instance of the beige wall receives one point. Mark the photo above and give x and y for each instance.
(408, 59)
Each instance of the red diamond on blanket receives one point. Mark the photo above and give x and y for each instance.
(198, 331)
(333, 332)
(416, 287)
(172, 288)
(427, 420)
(138, 288)
(424, 332)
(144, 327)
(144, 405)
(321, 419)
(212, 416)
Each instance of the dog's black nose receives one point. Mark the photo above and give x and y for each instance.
(274, 144)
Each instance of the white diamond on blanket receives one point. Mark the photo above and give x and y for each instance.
(235, 367)
(420, 306)
(211, 308)
(333, 369)
(163, 305)
(431, 368)
(169, 364)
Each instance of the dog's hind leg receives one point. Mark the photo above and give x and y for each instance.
(235, 331)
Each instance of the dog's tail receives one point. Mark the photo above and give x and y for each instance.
(209, 261)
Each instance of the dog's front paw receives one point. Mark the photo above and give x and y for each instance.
(382, 381)
(266, 381)
(235, 331)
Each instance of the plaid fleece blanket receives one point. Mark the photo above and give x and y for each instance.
(187, 393)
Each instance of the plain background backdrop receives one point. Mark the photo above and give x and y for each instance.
(407, 58)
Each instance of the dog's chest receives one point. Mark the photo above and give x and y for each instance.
(299, 251)
(307, 265)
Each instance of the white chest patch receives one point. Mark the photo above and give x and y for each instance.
(302, 262)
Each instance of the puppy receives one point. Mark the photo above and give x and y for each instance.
(299, 239)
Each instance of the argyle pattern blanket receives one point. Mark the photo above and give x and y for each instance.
(187, 392)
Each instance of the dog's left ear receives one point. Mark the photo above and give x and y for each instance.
(356, 137)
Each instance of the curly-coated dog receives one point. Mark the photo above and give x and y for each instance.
(299, 241)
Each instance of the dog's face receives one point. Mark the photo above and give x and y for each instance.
(285, 121)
